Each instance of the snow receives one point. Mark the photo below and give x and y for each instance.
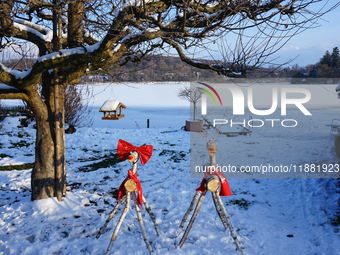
(270, 216)
(139, 2)
(90, 35)
(31, 27)
(4, 86)
(236, 73)
(152, 30)
(69, 52)
(213, 5)
(110, 105)
(116, 48)
(94, 47)
(46, 13)
(17, 74)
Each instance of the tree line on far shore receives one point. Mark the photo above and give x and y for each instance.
(172, 69)
(328, 67)
(157, 68)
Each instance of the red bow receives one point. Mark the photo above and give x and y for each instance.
(124, 148)
(225, 189)
(122, 191)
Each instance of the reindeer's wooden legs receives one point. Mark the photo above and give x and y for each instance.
(193, 217)
(102, 229)
(232, 231)
(130, 187)
(114, 235)
(152, 216)
(141, 224)
(219, 209)
(212, 184)
(191, 207)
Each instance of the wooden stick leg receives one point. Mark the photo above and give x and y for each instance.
(141, 224)
(193, 217)
(232, 231)
(191, 207)
(101, 230)
(114, 235)
(219, 210)
(152, 216)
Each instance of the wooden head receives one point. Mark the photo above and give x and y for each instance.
(133, 157)
(211, 145)
(212, 148)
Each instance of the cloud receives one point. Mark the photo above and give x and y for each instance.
(290, 47)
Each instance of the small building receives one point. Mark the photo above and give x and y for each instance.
(111, 108)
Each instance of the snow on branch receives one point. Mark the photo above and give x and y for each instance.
(49, 63)
(46, 13)
(88, 34)
(34, 29)
(139, 2)
(16, 73)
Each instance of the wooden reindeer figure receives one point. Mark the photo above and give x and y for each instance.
(211, 182)
(132, 185)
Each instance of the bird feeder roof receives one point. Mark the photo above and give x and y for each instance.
(111, 105)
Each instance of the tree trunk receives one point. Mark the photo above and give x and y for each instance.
(194, 111)
(43, 177)
(43, 174)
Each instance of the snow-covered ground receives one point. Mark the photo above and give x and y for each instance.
(270, 216)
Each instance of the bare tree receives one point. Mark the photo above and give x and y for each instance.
(98, 36)
(190, 94)
(77, 111)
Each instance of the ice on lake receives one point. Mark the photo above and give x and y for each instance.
(136, 117)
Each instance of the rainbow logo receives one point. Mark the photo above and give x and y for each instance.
(213, 90)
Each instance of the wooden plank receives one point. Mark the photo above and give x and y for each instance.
(113, 118)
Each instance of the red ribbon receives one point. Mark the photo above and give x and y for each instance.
(122, 191)
(224, 190)
(124, 148)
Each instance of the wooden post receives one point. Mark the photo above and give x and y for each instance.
(58, 164)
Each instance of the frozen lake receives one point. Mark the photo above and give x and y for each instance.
(136, 117)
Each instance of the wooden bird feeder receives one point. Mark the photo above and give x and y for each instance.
(110, 109)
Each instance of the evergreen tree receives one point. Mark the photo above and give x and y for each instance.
(335, 58)
(326, 59)
(335, 62)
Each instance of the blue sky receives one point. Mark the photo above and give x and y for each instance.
(312, 44)
(305, 48)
